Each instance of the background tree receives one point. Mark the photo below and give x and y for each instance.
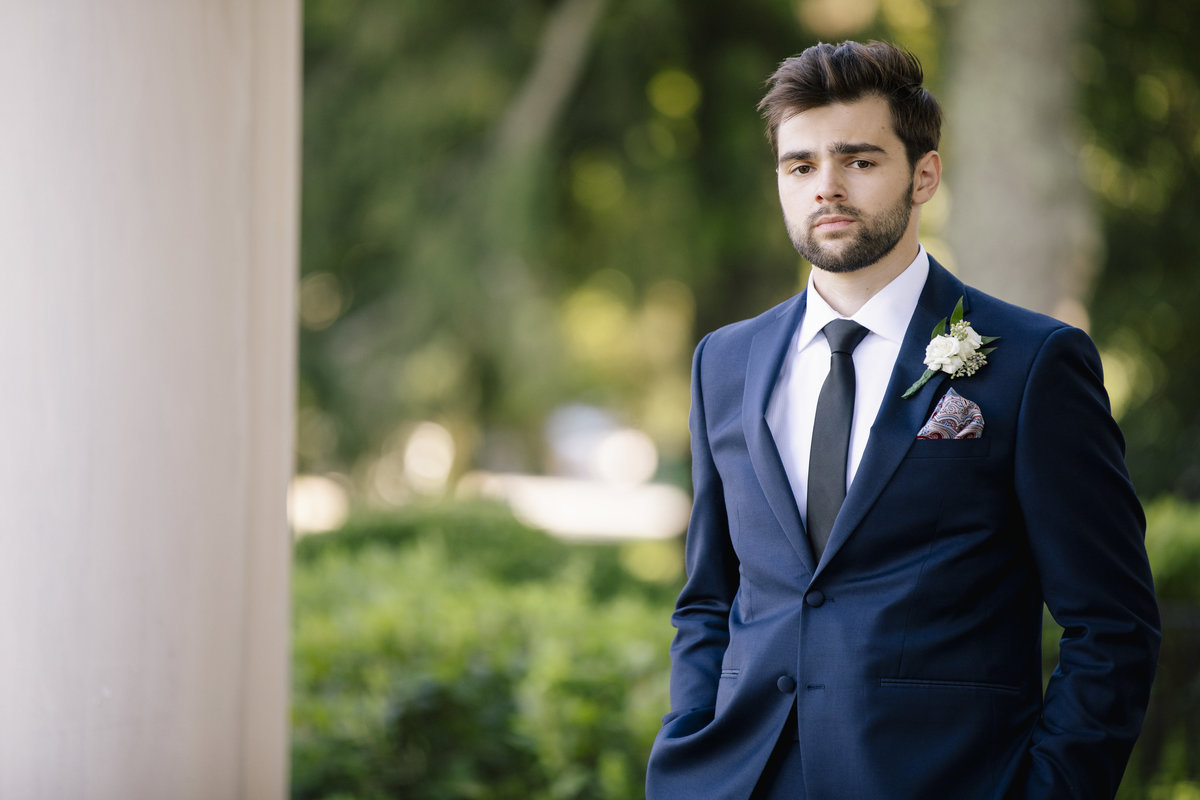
(511, 207)
(527, 205)
(1022, 223)
(517, 205)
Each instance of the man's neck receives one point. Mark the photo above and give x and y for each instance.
(847, 292)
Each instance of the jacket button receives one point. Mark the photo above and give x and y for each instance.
(785, 684)
(815, 598)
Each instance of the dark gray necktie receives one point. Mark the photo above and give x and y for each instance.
(831, 433)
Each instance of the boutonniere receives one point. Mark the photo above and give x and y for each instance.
(961, 352)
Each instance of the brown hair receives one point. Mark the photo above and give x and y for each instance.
(827, 73)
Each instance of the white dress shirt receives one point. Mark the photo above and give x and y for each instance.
(793, 403)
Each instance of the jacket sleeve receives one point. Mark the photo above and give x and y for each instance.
(1086, 532)
(701, 616)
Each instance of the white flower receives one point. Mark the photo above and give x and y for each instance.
(959, 353)
(945, 354)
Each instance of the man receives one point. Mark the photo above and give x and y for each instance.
(887, 646)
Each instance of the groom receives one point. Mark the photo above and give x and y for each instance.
(880, 515)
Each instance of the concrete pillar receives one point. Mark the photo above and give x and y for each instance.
(148, 214)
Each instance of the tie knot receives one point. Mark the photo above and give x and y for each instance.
(844, 335)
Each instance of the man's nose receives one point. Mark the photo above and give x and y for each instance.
(830, 186)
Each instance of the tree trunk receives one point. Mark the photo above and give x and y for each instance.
(1021, 223)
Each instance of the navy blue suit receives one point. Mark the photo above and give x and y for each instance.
(911, 651)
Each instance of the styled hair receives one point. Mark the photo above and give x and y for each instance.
(826, 73)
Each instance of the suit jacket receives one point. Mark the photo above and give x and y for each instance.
(912, 649)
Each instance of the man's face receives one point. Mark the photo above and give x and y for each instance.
(845, 184)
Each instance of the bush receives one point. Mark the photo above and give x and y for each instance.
(1165, 764)
(453, 653)
(1167, 758)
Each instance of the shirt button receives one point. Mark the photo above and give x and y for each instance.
(815, 598)
(785, 684)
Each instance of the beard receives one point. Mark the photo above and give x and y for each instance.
(876, 237)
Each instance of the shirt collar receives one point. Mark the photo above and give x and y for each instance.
(886, 314)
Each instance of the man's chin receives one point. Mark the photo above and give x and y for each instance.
(839, 267)
(822, 259)
(851, 257)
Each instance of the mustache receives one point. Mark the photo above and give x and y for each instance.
(832, 211)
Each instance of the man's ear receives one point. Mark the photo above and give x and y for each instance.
(927, 176)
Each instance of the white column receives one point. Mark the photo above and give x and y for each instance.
(148, 208)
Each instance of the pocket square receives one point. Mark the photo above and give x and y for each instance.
(954, 417)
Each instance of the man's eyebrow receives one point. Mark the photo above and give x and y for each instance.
(854, 148)
(837, 149)
(796, 155)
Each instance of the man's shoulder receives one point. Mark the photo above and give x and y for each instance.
(1030, 342)
(992, 316)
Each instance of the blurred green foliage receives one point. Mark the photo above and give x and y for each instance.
(453, 653)
(450, 653)
(1166, 761)
(1140, 80)
(1168, 752)
(451, 276)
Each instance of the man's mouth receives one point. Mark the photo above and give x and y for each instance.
(832, 223)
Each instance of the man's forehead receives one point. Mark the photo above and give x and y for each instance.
(822, 128)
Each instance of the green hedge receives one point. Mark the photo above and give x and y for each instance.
(456, 654)
(450, 653)
(1166, 762)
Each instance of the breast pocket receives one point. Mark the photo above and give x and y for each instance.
(950, 448)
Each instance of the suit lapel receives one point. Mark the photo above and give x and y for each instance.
(899, 420)
(767, 351)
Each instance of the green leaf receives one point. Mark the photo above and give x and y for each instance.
(988, 339)
(986, 350)
(939, 329)
(957, 316)
(921, 381)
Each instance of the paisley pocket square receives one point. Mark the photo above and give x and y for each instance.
(954, 417)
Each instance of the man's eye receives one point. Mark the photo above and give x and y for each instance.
(801, 169)
(860, 163)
